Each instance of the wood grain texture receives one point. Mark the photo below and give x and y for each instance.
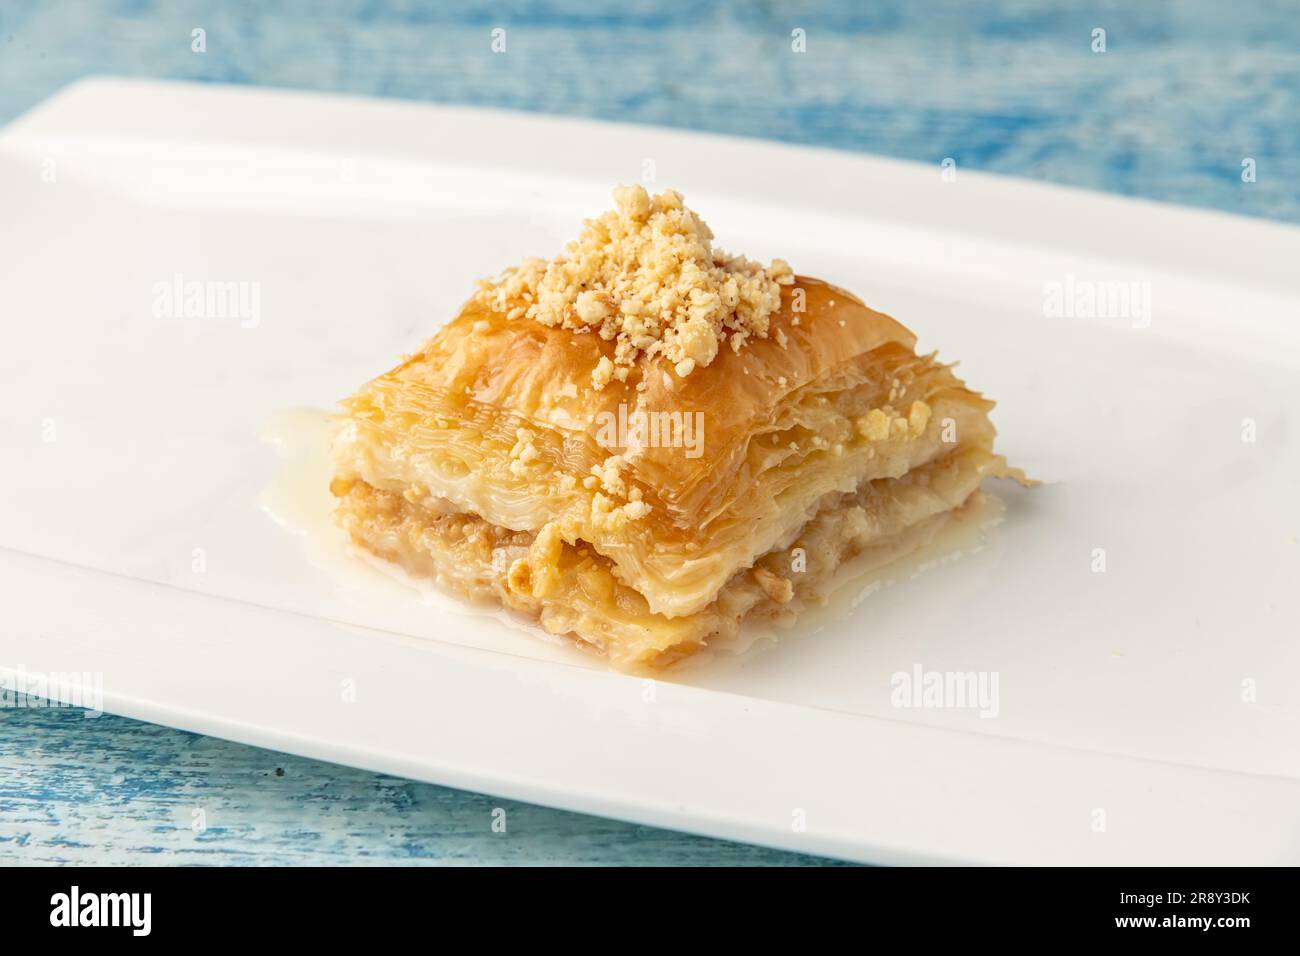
(1183, 93)
(111, 790)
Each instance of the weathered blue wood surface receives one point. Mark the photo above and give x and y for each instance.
(111, 790)
(1183, 93)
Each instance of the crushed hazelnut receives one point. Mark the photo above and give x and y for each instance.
(918, 416)
(874, 426)
(610, 479)
(645, 275)
(777, 588)
(544, 560)
(522, 452)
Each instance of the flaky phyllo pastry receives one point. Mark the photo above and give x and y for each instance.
(645, 441)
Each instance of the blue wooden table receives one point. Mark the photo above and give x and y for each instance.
(1181, 97)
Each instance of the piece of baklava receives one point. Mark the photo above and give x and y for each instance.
(644, 441)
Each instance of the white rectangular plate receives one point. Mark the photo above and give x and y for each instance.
(1146, 712)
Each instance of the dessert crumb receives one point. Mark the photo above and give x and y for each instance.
(646, 276)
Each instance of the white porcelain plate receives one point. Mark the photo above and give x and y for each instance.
(1139, 612)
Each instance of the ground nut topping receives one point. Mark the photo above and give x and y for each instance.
(645, 275)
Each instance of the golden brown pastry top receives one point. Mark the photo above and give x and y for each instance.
(543, 374)
(497, 417)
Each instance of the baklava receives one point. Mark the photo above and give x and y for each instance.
(644, 441)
